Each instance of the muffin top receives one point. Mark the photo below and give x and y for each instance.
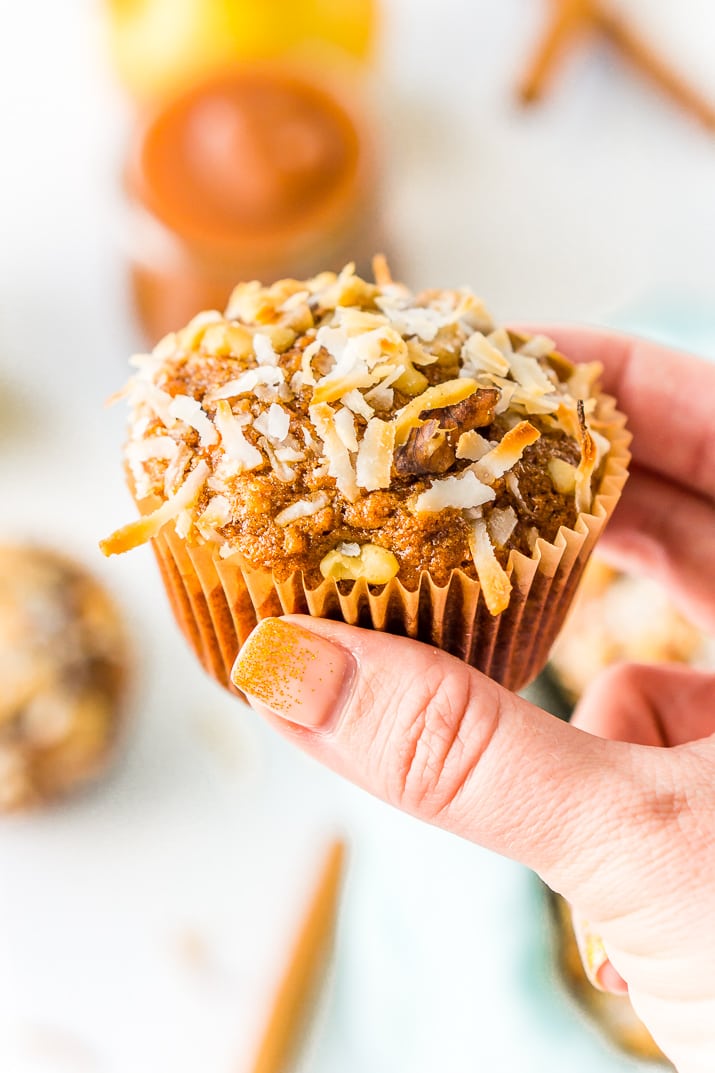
(62, 660)
(346, 429)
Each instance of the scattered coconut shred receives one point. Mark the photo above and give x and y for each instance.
(350, 430)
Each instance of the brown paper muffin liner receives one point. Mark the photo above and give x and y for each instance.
(217, 602)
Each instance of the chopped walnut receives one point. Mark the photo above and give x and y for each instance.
(476, 411)
(426, 450)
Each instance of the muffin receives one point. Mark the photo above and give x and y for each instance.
(349, 450)
(618, 617)
(63, 658)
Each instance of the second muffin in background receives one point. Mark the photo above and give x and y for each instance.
(346, 449)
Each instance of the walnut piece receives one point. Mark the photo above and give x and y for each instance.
(426, 450)
(476, 411)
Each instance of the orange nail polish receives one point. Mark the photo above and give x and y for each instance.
(296, 674)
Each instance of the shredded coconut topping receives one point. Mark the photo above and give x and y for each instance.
(460, 492)
(309, 397)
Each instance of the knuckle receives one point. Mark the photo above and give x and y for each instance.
(441, 731)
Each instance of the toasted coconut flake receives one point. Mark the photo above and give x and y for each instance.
(143, 529)
(418, 355)
(296, 383)
(289, 452)
(501, 523)
(532, 403)
(530, 376)
(334, 340)
(506, 392)
(307, 375)
(381, 397)
(157, 400)
(480, 355)
(587, 464)
(302, 508)
(247, 382)
(567, 417)
(460, 492)
(381, 270)
(216, 514)
(235, 445)
(160, 447)
(387, 374)
(436, 397)
(507, 453)
(360, 362)
(374, 460)
(358, 321)
(472, 446)
(423, 321)
(285, 473)
(352, 550)
(493, 579)
(310, 443)
(582, 383)
(339, 464)
(356, 401)
(174, 475)
(537, 346)
(330, 388)
(602, 444)
(263, 349)
(473, 314)
(278, 422)
(273, 423)
(501, 339)
(187, 409)
(345, 427)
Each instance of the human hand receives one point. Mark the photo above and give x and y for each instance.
(623, 828)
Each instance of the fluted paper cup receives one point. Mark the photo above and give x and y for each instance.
(217, 601)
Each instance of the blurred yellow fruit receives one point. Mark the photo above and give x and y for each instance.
(159, 46)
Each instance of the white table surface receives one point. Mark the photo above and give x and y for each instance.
(142, 924)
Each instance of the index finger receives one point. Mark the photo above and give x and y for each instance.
(667, 395)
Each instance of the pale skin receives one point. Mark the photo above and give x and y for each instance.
(617, 811)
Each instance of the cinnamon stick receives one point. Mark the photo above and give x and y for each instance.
(570, 18)
(646, 60)
(573, 18)
(295, 995)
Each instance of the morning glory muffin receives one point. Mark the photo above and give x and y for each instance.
(347, 449)
(64, 662)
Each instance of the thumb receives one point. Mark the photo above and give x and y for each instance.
(425, 732)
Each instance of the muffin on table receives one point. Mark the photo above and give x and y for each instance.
(350, 450)
(63, 656)
(620, 617)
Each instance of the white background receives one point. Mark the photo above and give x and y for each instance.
(598, 206)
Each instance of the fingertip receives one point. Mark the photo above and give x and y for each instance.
(594, 958)
(609, 979)
(294, 673)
